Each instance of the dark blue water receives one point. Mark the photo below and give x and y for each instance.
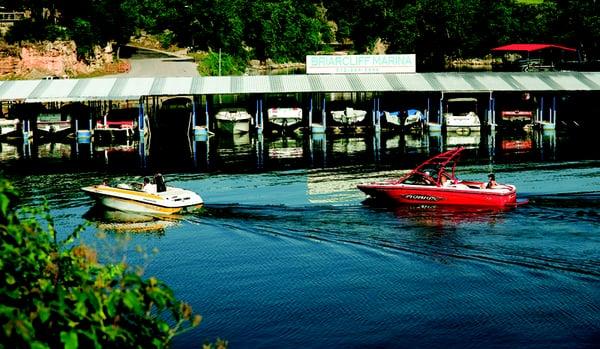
(289, 254)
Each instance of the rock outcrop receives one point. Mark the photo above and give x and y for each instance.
(56, 59)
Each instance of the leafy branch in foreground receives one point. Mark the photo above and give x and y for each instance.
(56, 294)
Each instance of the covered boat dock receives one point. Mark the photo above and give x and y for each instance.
(433, 88)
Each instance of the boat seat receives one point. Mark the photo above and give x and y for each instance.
(123, 186)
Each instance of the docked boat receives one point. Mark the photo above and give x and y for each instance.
(117, 124)
(461, 115)
(152, 198)
(233, 120)
(8, 127)
(414, 119)
(517, 119)
(348, 116)
(285, 114)
(284, 119)
(434, 183)
(52, 124)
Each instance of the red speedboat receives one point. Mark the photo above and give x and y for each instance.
(434, 183)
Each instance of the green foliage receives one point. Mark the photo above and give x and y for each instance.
(284, 30)
(84, 35)
(35, 30)
(209, 65)
(166, 38)
(55, 293)
(287, 30)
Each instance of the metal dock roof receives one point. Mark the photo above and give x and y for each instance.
(133, 88)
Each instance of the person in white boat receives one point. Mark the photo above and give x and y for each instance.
(160, 183)
(146, 187)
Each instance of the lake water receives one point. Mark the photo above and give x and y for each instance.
(288, 254)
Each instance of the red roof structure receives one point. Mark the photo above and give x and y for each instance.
(531, 47)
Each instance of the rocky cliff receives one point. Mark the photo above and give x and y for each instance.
(57, 59)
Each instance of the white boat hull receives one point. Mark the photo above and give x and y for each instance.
(468, 122)
(234, 126)
(412, 120)
(349, 116)
(234, 121)
(8, 126)
(173, 200)
(55, 128)
(285, 117)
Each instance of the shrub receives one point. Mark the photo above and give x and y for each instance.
(56, 294)
(208, 64)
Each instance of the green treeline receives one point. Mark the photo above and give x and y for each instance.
(287, 30)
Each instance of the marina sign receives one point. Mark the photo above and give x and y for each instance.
(357, 64)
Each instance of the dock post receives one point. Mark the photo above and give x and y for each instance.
(324, 115)
(490, 113)
(200, 132)
(207, 118)
(315, 128)
(373, 113)
(256, 116)
(376, 123)
(550, 125)
(310, 112)
(541, 111)
(494, 110)
(427, 111)
(261, 117)
(436, 127)
(193, 112)
(553, 111)
(25, 129)
(141, 118)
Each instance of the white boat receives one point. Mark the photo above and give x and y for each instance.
(8, 126)
(117, 123)
(284, 118)
(349, 116)
(461, 115)
(414, 118)
(234, 120)
(155, 199)
(53, 124)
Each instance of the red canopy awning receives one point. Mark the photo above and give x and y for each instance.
(531, 47)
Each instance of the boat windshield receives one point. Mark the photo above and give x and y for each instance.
(419, 179)
(431, 171)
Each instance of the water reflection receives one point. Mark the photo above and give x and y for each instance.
(251, 152)
(443, 216)
(438, 216)
(8, 152)
(470, 140)
(107, 220)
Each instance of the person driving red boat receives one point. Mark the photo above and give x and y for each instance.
(445, 180)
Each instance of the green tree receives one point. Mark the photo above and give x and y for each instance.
(578, 24)
(284, 30)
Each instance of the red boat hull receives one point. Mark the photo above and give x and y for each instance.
(505, 195)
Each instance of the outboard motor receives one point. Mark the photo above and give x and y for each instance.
(160, 183)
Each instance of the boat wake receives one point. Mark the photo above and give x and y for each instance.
(444, 234)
